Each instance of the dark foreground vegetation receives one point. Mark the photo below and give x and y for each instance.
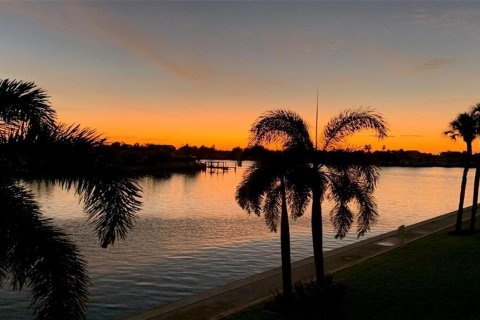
(432, 278)
(35, 254)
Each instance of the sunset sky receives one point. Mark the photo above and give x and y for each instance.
(201, 72)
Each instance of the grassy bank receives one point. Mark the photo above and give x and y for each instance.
(437, 277)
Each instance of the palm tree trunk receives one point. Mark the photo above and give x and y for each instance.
(317, 235)
(285, 247)
(458, 224)
(475, 198)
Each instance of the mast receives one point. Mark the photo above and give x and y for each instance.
(316, 123)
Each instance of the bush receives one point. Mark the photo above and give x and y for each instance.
(309, 300)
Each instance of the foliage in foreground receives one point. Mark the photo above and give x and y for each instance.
(34, 253)
(310, 299)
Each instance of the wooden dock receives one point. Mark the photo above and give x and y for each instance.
(218, 166)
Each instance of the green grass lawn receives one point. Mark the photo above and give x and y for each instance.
(437, 277)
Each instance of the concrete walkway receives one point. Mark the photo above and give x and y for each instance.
(223, 300)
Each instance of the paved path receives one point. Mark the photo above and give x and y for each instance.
(223, 300)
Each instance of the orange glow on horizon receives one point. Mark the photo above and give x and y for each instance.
(226, 128)
(239, 138)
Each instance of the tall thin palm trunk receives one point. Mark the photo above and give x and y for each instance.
(458, 224)
(317, 234)
(475, 198)
(285, 246)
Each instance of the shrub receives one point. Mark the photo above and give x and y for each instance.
(309, 300)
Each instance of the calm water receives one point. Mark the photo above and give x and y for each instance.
(191, 236)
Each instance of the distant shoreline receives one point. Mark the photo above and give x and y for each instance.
(145, 158)
(137, 160)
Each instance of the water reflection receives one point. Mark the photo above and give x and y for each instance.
(191, 235)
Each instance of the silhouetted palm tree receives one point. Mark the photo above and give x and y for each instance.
(476, 182)
(463, 126)
(342, 182)
(32, 251)
(270, 186)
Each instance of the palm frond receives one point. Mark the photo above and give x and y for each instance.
(12, 133)
(59, 134)
(256, 182)
(342, 218)
(76, 135)
(367, 174)
(475, 109)
(260, 189)
(350, 122)
(272, 207)
(367, 215)
(463, 126)
(39, 255)
(283, 126)
(452, 134)
(341, 193)
(111, 203)
(247, 201)
(23, 103)
(298, 186)
(348, 184)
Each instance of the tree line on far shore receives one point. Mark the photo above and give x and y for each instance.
(150, 156)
